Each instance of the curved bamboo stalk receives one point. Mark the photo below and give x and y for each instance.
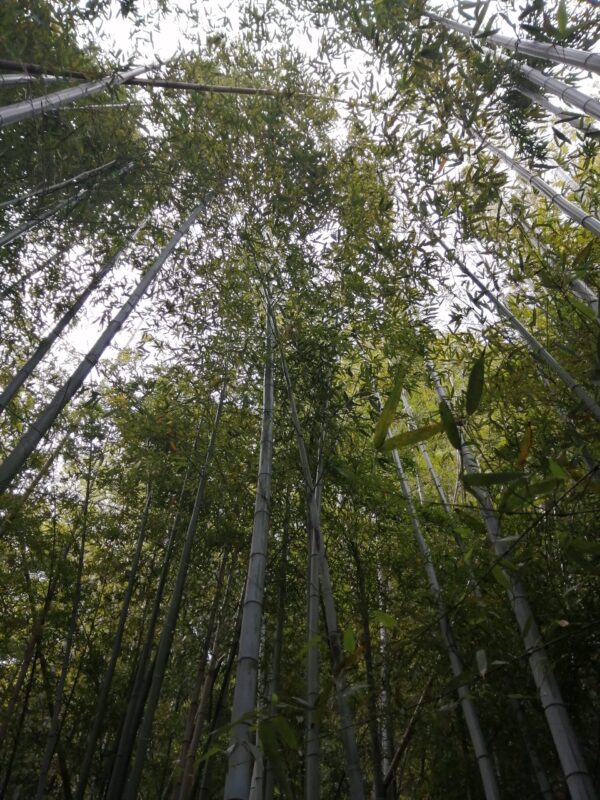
(237, 782)
(36, 106)
(15, 460)
(567, 745)
(24, 227)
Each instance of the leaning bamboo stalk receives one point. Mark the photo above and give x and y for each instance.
(569, 56)
(36, 106)
(13, 463)
(405, 741)
(45, 345)
(532, 343)
(103, 694)
(529, 745)
(353, 769)
(166, 638)
(567, 745)
(44, 190)
(24, 227)
(576, 121)
(480, 748)
(237, 782)
(567, 93)
(572, 210)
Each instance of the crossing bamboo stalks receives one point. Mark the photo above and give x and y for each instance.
(567, 745)
(166, 638)
(55, 187)
(13, 463)
(103, 694)
(532, 343)
(237, 783)
(569, 56)
(520, 717)
(36, 106)
(478, 742)
(45, 345)
(577, 214)
(352, 761)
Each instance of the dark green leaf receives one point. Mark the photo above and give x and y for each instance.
(450, 427)
(389, 410)
(475, 386)
(491, 478)
(413, 437)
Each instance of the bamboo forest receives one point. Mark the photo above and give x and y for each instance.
(300, 399)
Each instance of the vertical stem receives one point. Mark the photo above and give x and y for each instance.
(166, 639)
(237, 783)
(565, 739)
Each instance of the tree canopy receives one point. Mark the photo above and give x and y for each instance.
(300, 369)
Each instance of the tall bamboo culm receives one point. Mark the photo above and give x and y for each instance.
(567, 745)
(237, 783)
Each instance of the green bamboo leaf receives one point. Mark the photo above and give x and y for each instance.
(450, 427)
(408, 438)
(491, 478)
(382, 618)
(501, 577)
(562, 17)
(389, 410)
(349, 640)
(475, 385)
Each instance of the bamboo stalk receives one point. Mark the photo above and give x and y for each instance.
(577, 214)
(582, 59)
(102, 701)
(166, 638)
(36, 106)
(237, 782)
(46, 343)
(13, 463)
(567, 745)
(352, 761)
(54, 187)
(576, 121)
(480, 748)
(532, 343)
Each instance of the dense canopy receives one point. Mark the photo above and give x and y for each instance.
(299, 399)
